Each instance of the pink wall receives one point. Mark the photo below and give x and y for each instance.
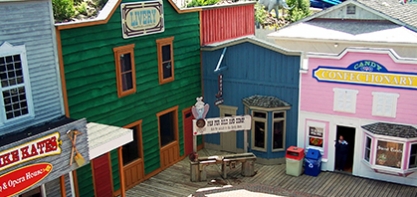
(318, 96)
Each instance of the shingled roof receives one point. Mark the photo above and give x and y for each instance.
(265, 101)
(405, 13)
(394, 130)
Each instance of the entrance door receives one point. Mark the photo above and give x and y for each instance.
(188, 131)
(228, 139)
(168, 137)
(132, 154)
(37, 192)
(348, 134)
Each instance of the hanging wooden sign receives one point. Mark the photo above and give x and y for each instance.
(18, 180)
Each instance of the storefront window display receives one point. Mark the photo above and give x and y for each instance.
(390, 154)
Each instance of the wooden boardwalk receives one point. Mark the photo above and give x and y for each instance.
(272, 179)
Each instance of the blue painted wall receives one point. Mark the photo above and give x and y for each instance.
(253, 70)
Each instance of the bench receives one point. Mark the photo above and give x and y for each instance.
(198, 172)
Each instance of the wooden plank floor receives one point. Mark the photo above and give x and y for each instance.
(175, 181)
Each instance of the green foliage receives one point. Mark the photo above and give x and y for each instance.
(260, 13)
(197, 3)
(300, 10)
(82, 8)
(63, 9)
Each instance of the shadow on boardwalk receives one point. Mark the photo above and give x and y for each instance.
(269, 179)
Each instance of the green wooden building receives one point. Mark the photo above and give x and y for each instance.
(136, 65)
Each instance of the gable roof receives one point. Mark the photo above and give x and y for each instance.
(391, 10)
(251, 39)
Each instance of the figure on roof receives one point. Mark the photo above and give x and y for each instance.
(275, 5)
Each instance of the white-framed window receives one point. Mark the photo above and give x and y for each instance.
(279, 130)
(316, 134)
(384, 104)
(350, 9)
(412, 161)
(259, 130)
(15, 97)
(367, 151)
(344, 100)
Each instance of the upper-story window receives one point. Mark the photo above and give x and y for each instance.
(165, 60)
(16, 98)
(344, 100)
(125, 70)
(351, 9)
(384, 104)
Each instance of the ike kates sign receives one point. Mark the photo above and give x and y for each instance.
(15, 181)
(42, 147)
(41, 158)
(366, 72)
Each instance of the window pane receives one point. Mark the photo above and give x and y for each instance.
(367, 154)
(413, 153)
(131, 150)
(414, 149)
(368, 142)
(167, 70)
(259, 134)
(127, 81)
(259, 115)
(11, 71)
(228, 115)
(166, 125)
(125, 63)
(279, 115)
(278, 137)
(15, 103)
(166, 53)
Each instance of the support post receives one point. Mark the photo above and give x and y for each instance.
(245, 141)
(194, 143)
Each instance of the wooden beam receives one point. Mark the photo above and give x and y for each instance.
(122, 174)
(62, 184)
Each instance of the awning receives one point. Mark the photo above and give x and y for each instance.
(393, 130)
(105, 138)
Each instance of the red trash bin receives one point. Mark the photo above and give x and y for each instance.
(294, 160)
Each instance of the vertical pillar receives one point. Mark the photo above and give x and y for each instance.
(71, 178)
(245, 141)
(194, 143)
(62, 184)
(122, 174)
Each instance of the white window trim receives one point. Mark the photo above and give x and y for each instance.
(370, 148)
(320, 125)
(284, 130)
(7, 49)
(338, 91)
(377, 95)
(409, 157)
(264, 120)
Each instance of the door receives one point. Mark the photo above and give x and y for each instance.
(188, 131)
(132, 154)
(228, 139)
(348, 134)
(168, 137)
(102, 175)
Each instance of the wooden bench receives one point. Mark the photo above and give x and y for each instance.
(198, 171)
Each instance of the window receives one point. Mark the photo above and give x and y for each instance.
(384, 104)
(389, 154)
(368, 145)
(167, 121)
(132, 150)
(125, 70)
(315, 136)
(412, 162)
(14, 83)
(36, 192)
(165, 60)
(351, 9)
(344, 100)
(278, 137)
(259, 130)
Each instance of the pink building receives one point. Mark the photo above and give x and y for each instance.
(368, 96)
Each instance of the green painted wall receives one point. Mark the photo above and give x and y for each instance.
(91, 78)
(85, 181)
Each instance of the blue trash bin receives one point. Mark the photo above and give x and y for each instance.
(312, 165)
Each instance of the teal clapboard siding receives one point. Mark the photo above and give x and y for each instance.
(91, 78)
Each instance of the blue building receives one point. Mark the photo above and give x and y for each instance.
(250, 76)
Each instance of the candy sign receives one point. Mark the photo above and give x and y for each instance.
(23, 178)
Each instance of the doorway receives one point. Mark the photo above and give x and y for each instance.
(228, 139)
(132, 157)
(188, 131)
(348, 134)
(168, 137)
